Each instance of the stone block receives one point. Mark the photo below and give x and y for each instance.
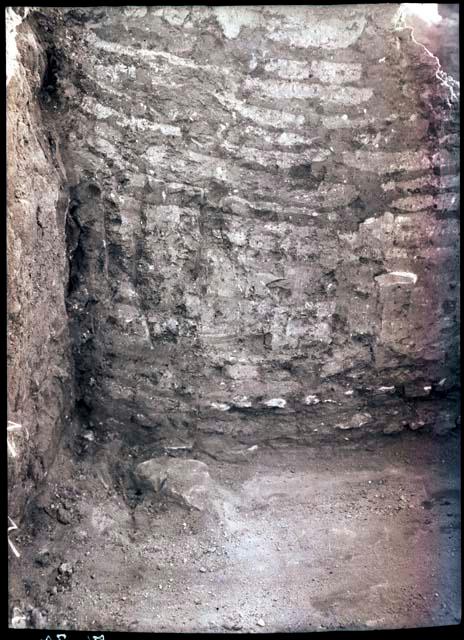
(184, 481)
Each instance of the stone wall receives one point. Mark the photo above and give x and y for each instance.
(263, 220)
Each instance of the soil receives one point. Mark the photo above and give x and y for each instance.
(295, 539)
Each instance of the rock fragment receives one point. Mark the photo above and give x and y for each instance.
(63, 515)
(184, 481)
(65, 569)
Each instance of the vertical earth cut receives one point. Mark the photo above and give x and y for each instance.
(244, 219)
(39, 363)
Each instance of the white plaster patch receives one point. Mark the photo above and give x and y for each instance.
(311, 399)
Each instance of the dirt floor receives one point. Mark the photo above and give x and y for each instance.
(296, 539)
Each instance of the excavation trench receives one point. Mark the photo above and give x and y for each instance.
(233, 307)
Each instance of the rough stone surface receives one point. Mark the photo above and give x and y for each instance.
(185, 481)
(245, 222)
(243, 196)
(236, 249)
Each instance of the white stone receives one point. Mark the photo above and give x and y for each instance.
(176, 16)
(241, 371)
(325, 32)
(288, 69)
(278, 403)
(135, 12)
(396, 277)
(236, 237)
(336, 72)
(232, 19)
(356, 421)
(281, 89)
(242, 402)
(385, 162)
(340, 122)
(289, 139)
(220, 405)
(262, 116)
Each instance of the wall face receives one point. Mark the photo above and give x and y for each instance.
(266, 228)
(263, 220)
(39, 382)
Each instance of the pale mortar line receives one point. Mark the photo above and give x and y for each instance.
(289, 90)
(102, 113)
(112, 47)
(276, 117)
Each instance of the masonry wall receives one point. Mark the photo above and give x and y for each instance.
(263, 220)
